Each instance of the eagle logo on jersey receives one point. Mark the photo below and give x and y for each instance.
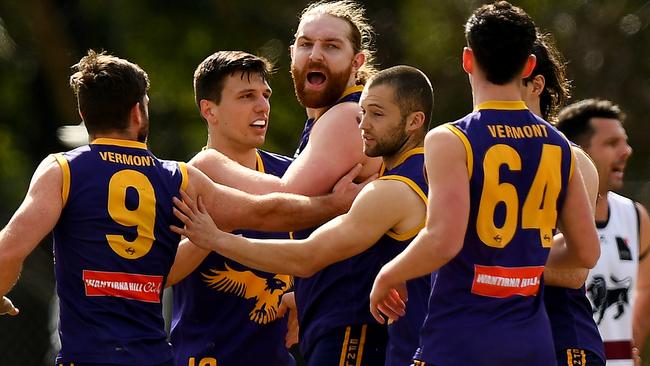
(602, 297)
(265, 291)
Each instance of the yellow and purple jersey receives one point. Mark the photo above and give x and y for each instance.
(403, 334)
(336, 296)
(226, 313)
(486, 306)
(113, 250)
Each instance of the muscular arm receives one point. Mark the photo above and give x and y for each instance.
(34, 219)
(442, 237)
(334, 148)
(233, 209)
(382, 205)
(575, 278)
(641, 322)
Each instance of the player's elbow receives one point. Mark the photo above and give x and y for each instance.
(589, 257)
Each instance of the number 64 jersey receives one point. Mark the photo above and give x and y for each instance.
(486, 307)
(113, 250)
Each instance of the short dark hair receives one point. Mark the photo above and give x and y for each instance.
(573, 120)
(210, 75)
(501, 37)
(361, 32)
(107, 87)
(412, 88)
(550, 64)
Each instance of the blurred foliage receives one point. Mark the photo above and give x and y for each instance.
(605, 43)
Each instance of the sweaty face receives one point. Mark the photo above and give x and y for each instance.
(382, 124)
(242, 114)
(322, 60)
(609, 150)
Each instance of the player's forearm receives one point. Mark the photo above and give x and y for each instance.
(426, 254)
(641, 323)
(10, 263)
(188, 257)
(274, 256)
(288, 212)
(569, 278)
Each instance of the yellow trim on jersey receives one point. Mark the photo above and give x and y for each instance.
(260, 162)
(413, 232)
(65, 169)
(507, 105)
(408, 154)
(345, 346)
(362, 342)
(185, 180)
(350, 90)
(468, 147)
(119, 142)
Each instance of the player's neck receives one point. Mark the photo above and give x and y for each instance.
(245, 156)
(117, 135)
(410, 144)
(483, 91)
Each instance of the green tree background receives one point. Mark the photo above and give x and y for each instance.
(604, 41)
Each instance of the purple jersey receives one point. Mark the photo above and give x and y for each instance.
(403, 334)
(336, 296)
(113, 250)
(486, 307)
(225, 313)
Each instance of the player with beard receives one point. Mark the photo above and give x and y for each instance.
(499, 179)
(397, 105)
(331, 58)
(618, 287)
(109, 205)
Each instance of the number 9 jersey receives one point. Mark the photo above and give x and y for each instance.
(113, 250)
(486, 307)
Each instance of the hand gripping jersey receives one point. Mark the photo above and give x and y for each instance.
(403, 334)
(610, 284)
(113, 250)
(336, 296)
(485, 306)
(226, 313)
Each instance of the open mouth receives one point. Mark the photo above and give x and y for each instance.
(259, 123)
(316, 78)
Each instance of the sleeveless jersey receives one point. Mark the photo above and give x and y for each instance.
(113, 250)
(611, 282)
(225, 313)
(336, 296)
(569, 312)
(403, 334)
(351, 94)
(486, 307)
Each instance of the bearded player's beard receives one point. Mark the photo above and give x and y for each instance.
(335, 84)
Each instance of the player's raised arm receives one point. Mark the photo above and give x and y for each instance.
(234, 209)
(34, 219)
(378, 208)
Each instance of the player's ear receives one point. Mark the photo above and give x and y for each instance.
(530, 66)
(538, 84)
(468, 60)
(358, 61)
(414, 121)
(207, 109)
